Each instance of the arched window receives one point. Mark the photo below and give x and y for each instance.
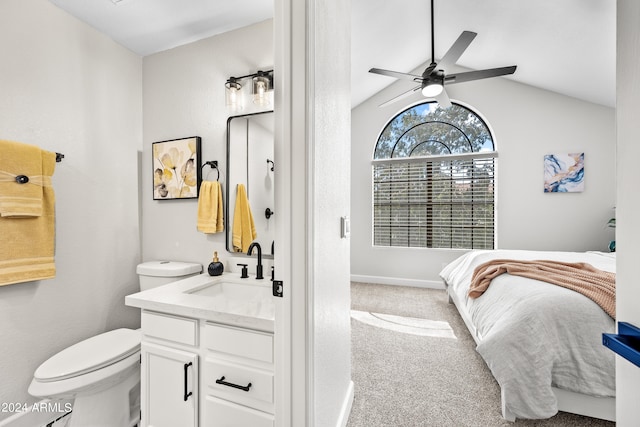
(434, 179)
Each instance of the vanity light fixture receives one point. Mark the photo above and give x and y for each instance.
(261, 85)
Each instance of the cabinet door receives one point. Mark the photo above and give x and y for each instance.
(169, 387)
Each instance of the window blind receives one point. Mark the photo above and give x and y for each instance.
(435, 202)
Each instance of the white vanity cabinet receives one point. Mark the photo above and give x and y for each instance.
(169, 371)
(237, 379)
(201, 373)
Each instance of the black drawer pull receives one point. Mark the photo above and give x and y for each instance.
(241, 387)
(186, 395)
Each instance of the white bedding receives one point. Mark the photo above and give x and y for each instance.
(534, 335)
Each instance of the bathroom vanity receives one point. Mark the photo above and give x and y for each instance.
(207, 352)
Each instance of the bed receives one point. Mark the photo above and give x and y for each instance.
(542, 342)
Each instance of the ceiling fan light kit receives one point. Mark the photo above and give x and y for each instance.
(432, 89)
(433, 79)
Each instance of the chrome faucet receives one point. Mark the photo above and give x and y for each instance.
(259, 266)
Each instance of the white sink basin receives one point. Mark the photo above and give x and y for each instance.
(244, 297)
(227, 299)
(231, 291)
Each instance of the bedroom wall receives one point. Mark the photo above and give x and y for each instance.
(527, 123)
(67, 88)
(628, 202)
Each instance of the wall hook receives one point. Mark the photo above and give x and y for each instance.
(268, 212)
(272, 164)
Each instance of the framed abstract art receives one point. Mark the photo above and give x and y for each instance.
(564, 173)
(176, 168)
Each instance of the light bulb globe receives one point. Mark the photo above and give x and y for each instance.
(432, 90)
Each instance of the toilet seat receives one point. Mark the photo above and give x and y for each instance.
(90, 355)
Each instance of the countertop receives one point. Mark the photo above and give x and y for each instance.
(251, 307)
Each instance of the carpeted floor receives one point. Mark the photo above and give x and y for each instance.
(412, 373)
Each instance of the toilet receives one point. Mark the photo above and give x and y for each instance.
(102, 373)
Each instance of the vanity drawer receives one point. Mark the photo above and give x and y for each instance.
(180, 330)
(239, 342)
(226, 414)
(227, 380)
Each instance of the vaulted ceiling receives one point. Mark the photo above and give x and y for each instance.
(566, 46)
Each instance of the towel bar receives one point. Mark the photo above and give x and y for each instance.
(626, 342)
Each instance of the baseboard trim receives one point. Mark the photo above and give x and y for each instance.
(39, 414)
(345, 411)
(381, 280)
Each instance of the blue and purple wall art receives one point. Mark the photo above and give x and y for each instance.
(564, 173)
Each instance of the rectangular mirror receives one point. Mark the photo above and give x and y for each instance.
(250, 162)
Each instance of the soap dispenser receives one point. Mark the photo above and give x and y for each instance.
(216, 267)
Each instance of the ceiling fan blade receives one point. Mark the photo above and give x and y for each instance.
(443, 99)
(399, 97)
(479, 74)
(457, 49)
(397, 75)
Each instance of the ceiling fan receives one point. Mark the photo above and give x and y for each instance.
(433, 78)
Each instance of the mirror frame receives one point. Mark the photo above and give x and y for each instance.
(266, 252)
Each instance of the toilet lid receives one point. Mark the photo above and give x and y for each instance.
(89, 355)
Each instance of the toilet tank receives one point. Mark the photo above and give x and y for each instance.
(157, 273)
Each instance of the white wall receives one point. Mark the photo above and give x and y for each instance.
(527, 123)
(329, 163)
(312, 193)
(69, 89)
(183, 90)
(628, 202)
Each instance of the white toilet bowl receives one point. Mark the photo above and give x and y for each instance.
(101, 373)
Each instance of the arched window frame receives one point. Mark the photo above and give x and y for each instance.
(435, 188)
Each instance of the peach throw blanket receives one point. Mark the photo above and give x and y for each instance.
(598, 285)
(27, 234)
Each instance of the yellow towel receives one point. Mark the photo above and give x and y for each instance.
(210, 216)
(27, 243)
(21, 162)
(244, 230)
